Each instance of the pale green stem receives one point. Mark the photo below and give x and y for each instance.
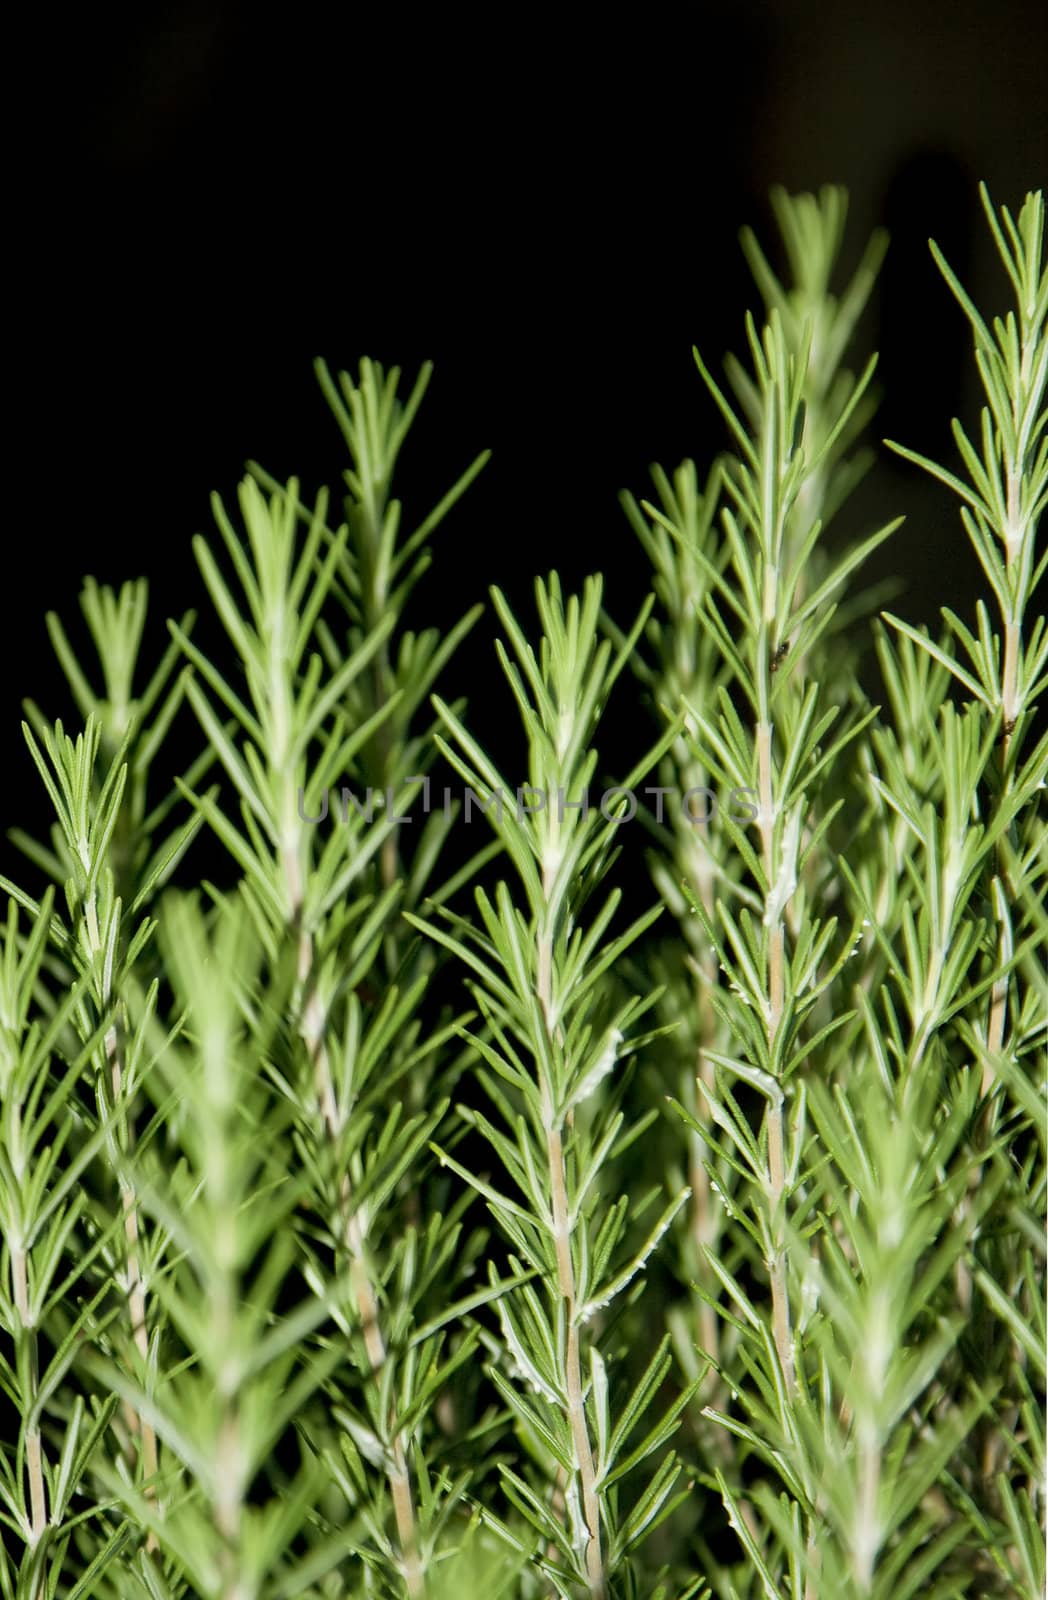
(704, 1212)
(34, 1449)
(136, 1290)
(311, 1028)
(781, 1323)
(566, 1285)
(866, 1533)
(1009, 711)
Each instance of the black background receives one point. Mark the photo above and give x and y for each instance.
(546, 205)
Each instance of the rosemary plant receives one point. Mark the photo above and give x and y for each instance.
(554, 1038)
(385, 1219)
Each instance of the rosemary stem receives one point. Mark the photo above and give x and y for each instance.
(573, 1368)
(780, 1301)
(567, 1288)
(136, 1290)
(312, 1033)
(1009, 708)
(34, 1449)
